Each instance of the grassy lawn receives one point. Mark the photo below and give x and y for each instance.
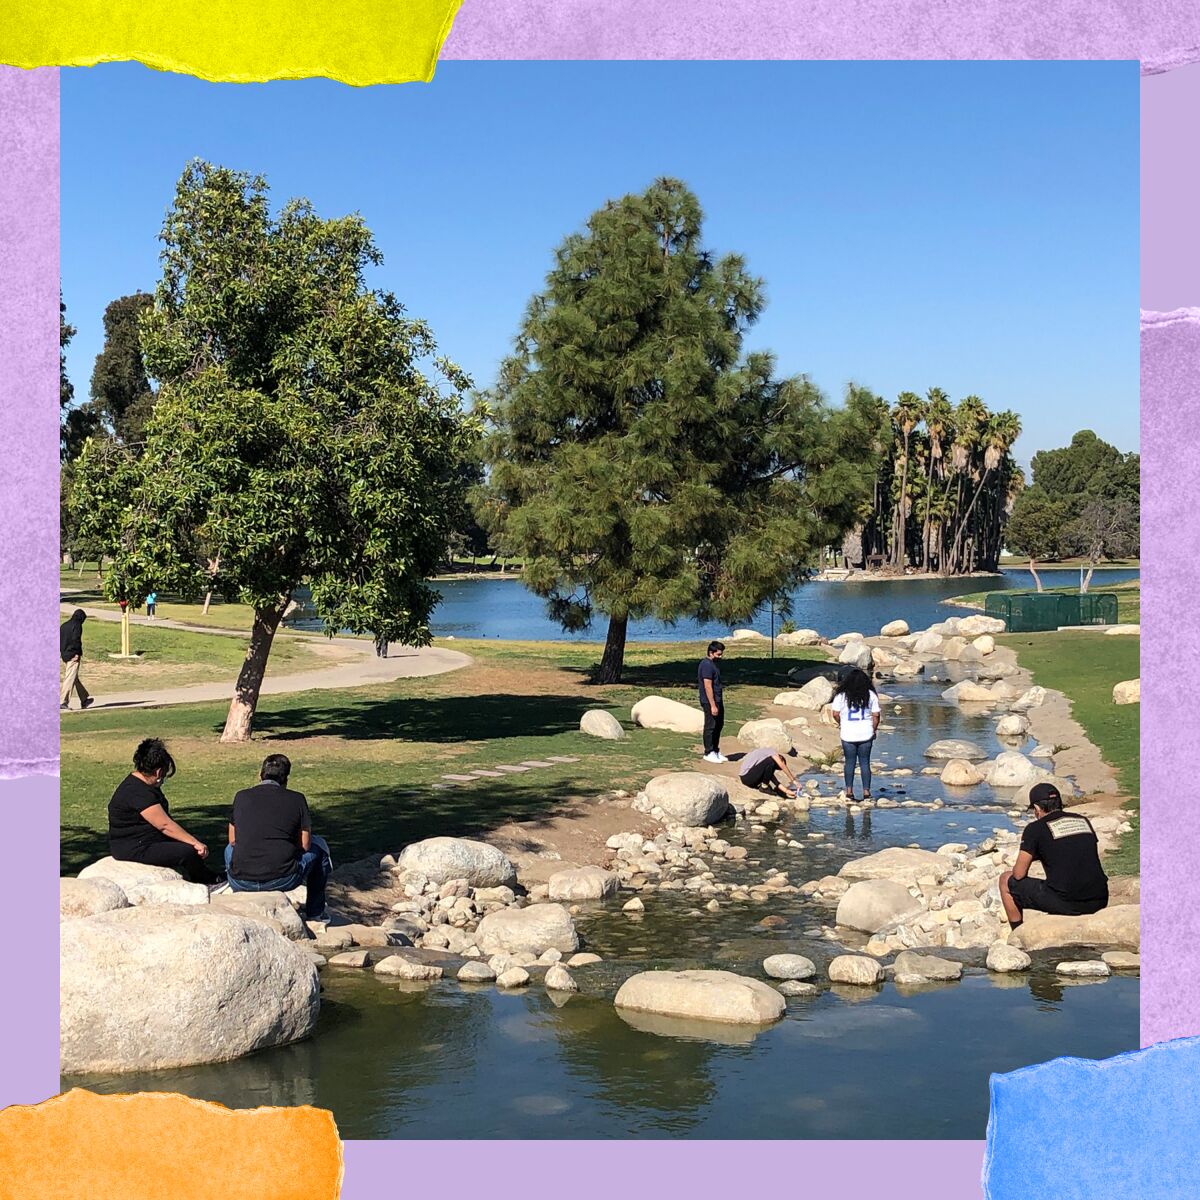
(1084, 666)
(367, 757)
(1129, 599)
(85, 590)
(1020, 560)
(175, 658)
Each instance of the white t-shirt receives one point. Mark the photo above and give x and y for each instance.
(856, 723)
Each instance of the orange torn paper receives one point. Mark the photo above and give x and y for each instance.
(161, 1146)
(231, 41)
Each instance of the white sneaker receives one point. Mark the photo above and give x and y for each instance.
(721, 758)
(219, 889)
(714, 757)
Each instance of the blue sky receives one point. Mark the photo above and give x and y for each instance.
(972, 226)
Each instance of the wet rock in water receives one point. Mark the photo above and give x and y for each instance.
(1010, 769)
(399, 967)
(444, 858)
(583, 960)
(533, 930)
(558, 979)
(736, 853)
(1093, 969)
(87, 897)
(633, 906)
(956, 748)
(773, 922)
(1128, 691)
(1118, 926)
(1003, 958)
(475, 972)
(793, 987)
(928, 642)
(1011, 726)
(1041, 750)
(703, 995)
(583, 883)
(374, 935)
(960, 773)
(514, 977)
(856, 969)
(600, 723)
(903, 864)
(689, 797)
(911, 968)
(968, 692)
(895, 628)
(351, 958)
(146, 989)
(1122, 960)
(875, 904)
(658, 712)
(334, 938)
(789, 966)
(769, 734)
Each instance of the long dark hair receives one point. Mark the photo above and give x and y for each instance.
(856, 687)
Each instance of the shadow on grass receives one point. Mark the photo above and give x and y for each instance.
(747, 672)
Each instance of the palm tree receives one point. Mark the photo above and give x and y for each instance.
(907, 414)
(996, 437)
(969, 416)
(939, 418)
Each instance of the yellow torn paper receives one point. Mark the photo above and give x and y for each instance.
(161, 1146)
(235, 41)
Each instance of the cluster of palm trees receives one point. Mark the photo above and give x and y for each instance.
(944, 487)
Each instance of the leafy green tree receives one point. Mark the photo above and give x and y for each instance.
(639, 463)
(1036, 526)
(295, 435)
(121, 394)
(1106, 527)
(75, 424)
(1089, 466)
(908, 413)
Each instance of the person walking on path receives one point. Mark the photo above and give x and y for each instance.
(70, 650)
(151, 604)
(712, 702)
(856, 706)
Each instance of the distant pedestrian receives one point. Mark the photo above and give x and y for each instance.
(151, 602)
(70, 650)
(712, 702)
(856, 706)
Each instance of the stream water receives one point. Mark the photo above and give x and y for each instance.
(447, 1061)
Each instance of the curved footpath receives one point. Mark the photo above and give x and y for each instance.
(358, 666)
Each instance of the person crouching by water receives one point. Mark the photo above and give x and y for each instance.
(271, 845)
(140, 826)
(760, 769)
(857, 708)
(1066, 845)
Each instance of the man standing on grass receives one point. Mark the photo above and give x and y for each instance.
(70, 650)
(712, 702)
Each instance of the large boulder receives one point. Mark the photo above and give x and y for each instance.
(1011, 769)
(747, 635)
(1003, 958)
(1129, 691)
(974, 626)
(856, 969)
(765, 735)
(1033, 697)
(689, 797)
(534, 930)
(969, 692)
(598, 722)
(789, 966)
(949, 748)
(657, 712)
(87, 897)
(799, 637)
(815, 694)
(985, 644)
(583, 883)
(143, 989)
(1012, 726)
(857, 654)
(899, 863)
(960, 773)
(952, 648)
(443, 858)
(128, 876)
(702, 995)
(875, 904)
(925, 968)
(894, 629)
(1117, 926)
(928, 642)
(169, 891)
(272, 908)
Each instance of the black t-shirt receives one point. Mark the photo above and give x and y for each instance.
(1065, 844)
(708, 670)
(267, 820)
(129, 833)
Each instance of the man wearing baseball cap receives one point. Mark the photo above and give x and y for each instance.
(1065, 844)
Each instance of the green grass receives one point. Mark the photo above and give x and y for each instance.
(1084, 666)
(366, 757)
(1129, 599)
(85, 590)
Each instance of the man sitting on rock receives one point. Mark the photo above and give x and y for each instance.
(760, 769)
(271, 846)
(1065, 844)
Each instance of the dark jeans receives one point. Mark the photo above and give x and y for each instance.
(1038, 895)
(762, 772)
(712, 729)
(179, 857)
(860, 753)
(312, 868)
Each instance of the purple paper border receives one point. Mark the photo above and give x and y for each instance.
(519, 29)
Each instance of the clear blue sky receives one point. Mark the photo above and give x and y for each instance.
(968, 225)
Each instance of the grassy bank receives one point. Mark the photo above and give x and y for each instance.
(368, 758)
(1084, 666)
(1129, 599)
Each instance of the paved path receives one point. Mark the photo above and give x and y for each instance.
(356, 665)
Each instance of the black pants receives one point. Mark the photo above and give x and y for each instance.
(179, 857)
(762, 772)
(712, 729)
(1036, 894)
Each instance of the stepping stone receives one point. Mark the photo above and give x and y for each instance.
(488, 774)
(459, 778)
(559, 758)
(534, 762)
(512, 770)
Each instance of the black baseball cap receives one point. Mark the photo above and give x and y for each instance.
(1040, 793)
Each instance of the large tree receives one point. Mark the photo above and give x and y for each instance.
(121, 394)
(296, 436)
(75, 424)
(640, 464)
(1036, 526)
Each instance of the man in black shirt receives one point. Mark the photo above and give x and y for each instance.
(271, 847)
(712, 702)
(1065, 844)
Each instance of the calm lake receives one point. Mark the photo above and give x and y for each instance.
(504, 608)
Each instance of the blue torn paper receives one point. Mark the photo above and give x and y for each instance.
(1078, 1129)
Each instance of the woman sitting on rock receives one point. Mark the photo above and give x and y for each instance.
(140, 828)
(857, 708)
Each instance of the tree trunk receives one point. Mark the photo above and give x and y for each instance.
(207, 602)
(1087, 579)
(1037, 579)
(962, 528)
(214, 565)
(240, 721)
(613, 661)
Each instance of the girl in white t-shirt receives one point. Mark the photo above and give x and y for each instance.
(857, 708)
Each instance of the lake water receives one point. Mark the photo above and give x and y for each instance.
(505, 608)
(447, 1061)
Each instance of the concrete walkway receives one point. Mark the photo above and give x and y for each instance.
(357, 665)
